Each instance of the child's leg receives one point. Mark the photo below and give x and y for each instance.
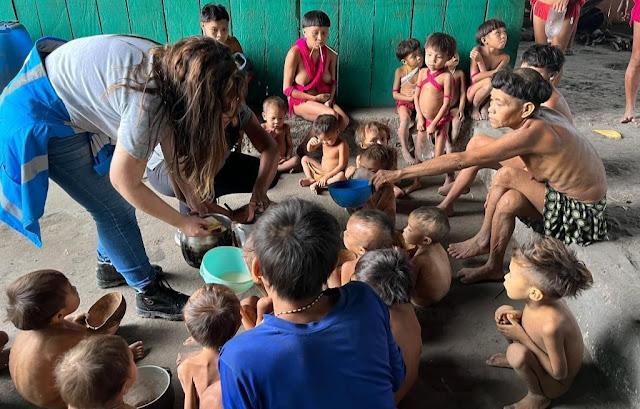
(632, 78)
(138, 351)
(542, 387)
(310, 110)
(290, 164)
(456, 125)
(538, 30)
(480, 99)
(403, 134)
(336, 178)
(307, 164)
(349, 172)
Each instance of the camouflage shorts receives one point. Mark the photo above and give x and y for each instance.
(570, 220)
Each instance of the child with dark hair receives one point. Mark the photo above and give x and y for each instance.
(426, 229)
(373, 159)
(486, 59)
(335, 154)
(545, 342)
(212, 316)
(299, 352)
(96, 373)
(548, 60)
(405, 79)
(310, 72)
(367, 229)
(38, 304)
(274, 111)
(214, 21)
(389, 273)
(432, 98)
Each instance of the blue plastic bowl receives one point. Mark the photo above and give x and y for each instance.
(225, 265)
(351, 193)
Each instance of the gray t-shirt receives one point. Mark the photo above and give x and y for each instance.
(83, 73)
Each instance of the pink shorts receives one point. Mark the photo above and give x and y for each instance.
(635, 13)
(407, 104)
(541, 9)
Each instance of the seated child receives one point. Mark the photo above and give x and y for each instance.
(96, 373)
(373, 159)
(335, 154)
(389, 273)
(274, 109)
(366, 230)
(253, 308)
(404, 86)
(367, 134)
(214, 21)
(545, 343)
(38, 303)
(548, 61)
(433, 94)
(426, 229)
(486, 59)
(457, 108)
(212, 316)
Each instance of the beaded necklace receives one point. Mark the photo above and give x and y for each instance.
(303, 308)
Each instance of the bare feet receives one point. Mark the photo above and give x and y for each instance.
(475, 114)
(475, 246)
(531, 401)
(415, 185)
(446, 188)
(498, 360)
(476, 274)
(448, 210)
(138, 351)
(628, 116)
(408, 157)
(304, 182)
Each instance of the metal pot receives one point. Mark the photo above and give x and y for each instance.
(194, 248)
(152, 390)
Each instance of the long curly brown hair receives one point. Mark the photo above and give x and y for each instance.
(198, 83)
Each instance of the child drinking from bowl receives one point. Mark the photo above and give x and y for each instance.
(335, 154)
(38, 304)
(212, 316)
(96, 373)
(373, 159)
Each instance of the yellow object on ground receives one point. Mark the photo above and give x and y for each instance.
(608, 133)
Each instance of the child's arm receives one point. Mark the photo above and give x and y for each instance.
(489, 73)
(191, 400)
(289, 75)
(396, 88)
(288, 141)
(444, 109)
(416, 102)
(477, 63)
(265, 306)
(554, 360)
(313, 144)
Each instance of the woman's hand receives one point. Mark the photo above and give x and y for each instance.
(385, 176)
(194, 226)
(322, 98)
(260, 200)
(561, 5)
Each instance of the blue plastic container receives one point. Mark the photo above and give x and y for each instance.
(15, 45)
(225, 265)
(351, 193)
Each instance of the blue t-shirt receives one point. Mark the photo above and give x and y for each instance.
(348, 359)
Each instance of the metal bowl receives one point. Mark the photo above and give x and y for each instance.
(194, 248)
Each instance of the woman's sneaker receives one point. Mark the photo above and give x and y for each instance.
(108, 277)
(159, 300)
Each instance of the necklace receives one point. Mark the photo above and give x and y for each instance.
(303, 308)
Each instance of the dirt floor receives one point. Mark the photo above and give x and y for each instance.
(458, 334)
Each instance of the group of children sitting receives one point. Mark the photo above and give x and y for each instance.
(57, 361)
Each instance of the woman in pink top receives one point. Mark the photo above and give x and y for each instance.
(632, 76)
(310, 72)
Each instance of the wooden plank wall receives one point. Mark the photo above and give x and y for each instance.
(364, 32)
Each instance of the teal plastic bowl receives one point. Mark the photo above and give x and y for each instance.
(351, 193)
(225, 265)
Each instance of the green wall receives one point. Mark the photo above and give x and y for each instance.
(364, 32)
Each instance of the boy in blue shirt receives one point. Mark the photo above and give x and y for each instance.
(319, 349)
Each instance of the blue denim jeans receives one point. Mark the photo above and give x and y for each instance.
(119, 238)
